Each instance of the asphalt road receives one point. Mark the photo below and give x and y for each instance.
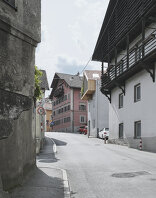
(98, 170)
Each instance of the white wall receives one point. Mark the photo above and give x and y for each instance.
(144, 110)
(98, 110)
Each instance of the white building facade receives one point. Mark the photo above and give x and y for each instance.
(129, 82)
(98, 105)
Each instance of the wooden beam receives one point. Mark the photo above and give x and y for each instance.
(127, 51)
(143, 36)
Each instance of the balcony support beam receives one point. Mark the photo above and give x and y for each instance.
(150, 70)
(108, 96)
(122, 87)
(107, 93)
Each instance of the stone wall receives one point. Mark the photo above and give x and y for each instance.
(19, 35)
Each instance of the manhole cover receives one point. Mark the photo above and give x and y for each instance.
(131, 174)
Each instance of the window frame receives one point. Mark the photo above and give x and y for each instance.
(84, 119)
(136, 136)
(121, 124)
(121, 106)
(135, 93)
(82, 107)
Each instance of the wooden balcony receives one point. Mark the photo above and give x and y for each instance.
(59, 92)
(91, 87)
(141, 56)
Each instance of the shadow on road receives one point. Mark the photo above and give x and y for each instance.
(47, 158)
(47, 154)
(59, 142)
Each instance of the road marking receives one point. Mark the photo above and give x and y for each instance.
(66, 184)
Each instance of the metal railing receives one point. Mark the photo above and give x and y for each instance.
(136, 54)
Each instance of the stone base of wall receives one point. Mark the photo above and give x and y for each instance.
(148, 143)
(122, 142)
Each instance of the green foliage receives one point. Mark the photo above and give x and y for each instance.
(37, 92)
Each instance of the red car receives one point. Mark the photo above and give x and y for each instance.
(85, 130)
(81, 129)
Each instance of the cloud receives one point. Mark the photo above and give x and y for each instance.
(68, 65)
(80, 3)
(86, 27)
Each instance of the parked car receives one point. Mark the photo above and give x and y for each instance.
(104, 133)
(81, 129)
(85, 130)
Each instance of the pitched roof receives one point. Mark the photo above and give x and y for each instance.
(92, 74)
(44, 82)
(74, 81)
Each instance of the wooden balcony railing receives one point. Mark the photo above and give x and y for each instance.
(136, 54)
(59, 92)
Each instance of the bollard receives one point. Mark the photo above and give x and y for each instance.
(105, 140)
(140, 146)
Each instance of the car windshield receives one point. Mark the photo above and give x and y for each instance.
(106, 129)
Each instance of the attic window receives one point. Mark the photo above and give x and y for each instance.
(95, 75)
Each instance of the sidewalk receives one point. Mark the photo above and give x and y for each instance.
(43, 181)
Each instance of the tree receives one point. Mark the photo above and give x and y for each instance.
(37, 92)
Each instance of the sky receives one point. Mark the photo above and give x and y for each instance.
(69, 32)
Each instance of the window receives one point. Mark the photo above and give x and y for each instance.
(68, 107)
(137, 93)
(65, 109)
(53, 113)
(120, 100)
(138, 53)
(82, 107)
(67, 119)
(137, 129)
(82, 119)
(65, 97)
(69, 96)
(121, 67)
(121, 130)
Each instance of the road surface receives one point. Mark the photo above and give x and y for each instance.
(98, 170)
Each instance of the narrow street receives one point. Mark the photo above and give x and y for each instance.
(98, 170)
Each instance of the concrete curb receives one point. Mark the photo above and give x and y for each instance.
(54, 144)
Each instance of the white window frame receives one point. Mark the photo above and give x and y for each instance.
(136, 99)
(83, 116)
